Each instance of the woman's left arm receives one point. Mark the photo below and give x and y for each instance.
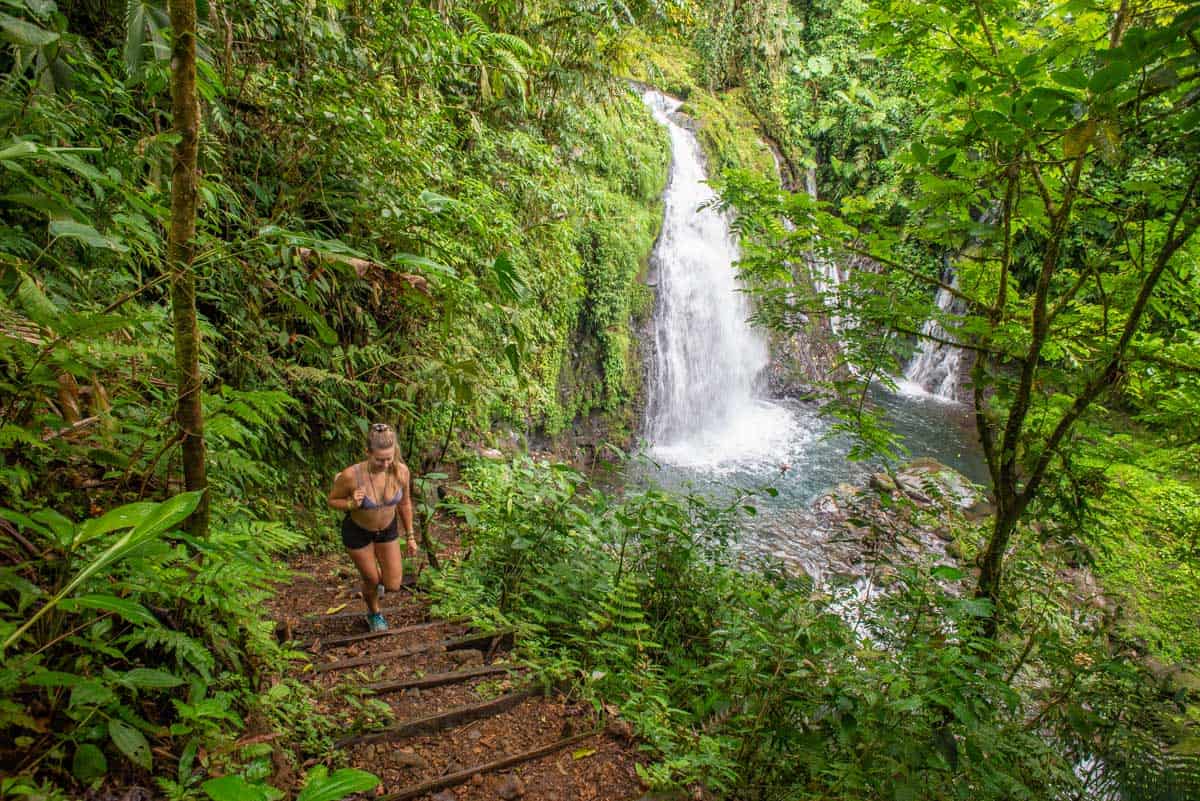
(406, 510)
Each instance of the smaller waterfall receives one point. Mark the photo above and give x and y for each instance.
(827, 274)
(936, 367)
(701, 407)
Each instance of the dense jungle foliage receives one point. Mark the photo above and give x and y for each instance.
(752, 685)
(438, 215)
(433, 216)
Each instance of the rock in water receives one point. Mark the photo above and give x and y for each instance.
(882, 482)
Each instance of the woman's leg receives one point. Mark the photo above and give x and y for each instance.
(364, 560)
(392, 561)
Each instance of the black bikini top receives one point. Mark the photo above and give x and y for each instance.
(368, 503)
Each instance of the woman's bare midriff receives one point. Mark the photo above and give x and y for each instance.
(373, 519)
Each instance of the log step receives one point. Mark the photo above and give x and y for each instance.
(492, 640)
(431, 724)
(335, 642)
(452, 779)
(439, 679)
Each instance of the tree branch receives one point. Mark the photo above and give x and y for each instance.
(1041, 327)
(1111, 370)
(954, 291)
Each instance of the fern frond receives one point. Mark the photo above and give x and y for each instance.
(473, 25)
(507, 43)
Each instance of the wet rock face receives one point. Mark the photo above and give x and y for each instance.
(907, 517)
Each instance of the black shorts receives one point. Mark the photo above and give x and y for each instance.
(355, 536)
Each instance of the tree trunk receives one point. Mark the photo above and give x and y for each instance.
(991, 563)
(185, 111)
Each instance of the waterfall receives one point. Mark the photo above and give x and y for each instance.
(936, 366)
(826, 272)
(701, 408)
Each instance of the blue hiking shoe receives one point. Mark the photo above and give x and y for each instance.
(375, 622)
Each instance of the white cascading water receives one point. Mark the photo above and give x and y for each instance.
(827, 273)
(936, 366)
(701, 409)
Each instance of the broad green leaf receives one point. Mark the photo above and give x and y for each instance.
(233, 788)
(19, 150)
(20, 32)
(35, 303)
(89, 692)
(132, 611)
(54, 678)
(433, 201)
(168, 514)
(61, 526)
(1074, 78)
(69, 229)
(947, 573)
(162, 517)
(126, 516)
(322, 786)
(507, 279)
(429, 264)
(148, 678)
(89, 763)
(131, 742)
(1109, 77)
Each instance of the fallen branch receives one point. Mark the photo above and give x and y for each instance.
(11, 530)
(438, 679)
(373, 635)
(491, 638)
(430, 724)
(362, 266)
(418, 790)
(78, 424)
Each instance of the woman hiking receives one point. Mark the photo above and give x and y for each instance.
(376, 496)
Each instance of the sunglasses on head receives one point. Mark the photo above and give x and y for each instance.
(380, 427)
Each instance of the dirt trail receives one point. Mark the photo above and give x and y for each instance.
(442, 712)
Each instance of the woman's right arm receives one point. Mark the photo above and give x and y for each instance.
(341, 497)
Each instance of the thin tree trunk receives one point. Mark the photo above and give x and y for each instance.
(185, 110)
(991, 563)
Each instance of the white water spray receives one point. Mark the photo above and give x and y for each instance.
(936, 366)
(701, 406)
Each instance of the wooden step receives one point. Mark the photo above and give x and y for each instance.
(440, 679)
(491, 640)
(430, 724)
(336, 642)
(452, 779)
